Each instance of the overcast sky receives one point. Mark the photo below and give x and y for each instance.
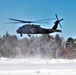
(38, 9)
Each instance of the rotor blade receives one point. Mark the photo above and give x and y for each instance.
(60, 25)
(61, 19)
(12, 22)
(20, 20)
(38, 22)
(56, 17)
(15, 19)
(45, 19)
(31, 21)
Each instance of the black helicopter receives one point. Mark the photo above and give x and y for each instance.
(36, 29)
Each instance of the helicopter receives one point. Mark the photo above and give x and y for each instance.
(30, 28)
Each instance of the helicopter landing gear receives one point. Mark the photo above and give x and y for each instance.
(21, 35)
(48, 35)
(29, 35)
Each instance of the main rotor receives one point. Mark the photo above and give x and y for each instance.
(22, 21)
(37, 21)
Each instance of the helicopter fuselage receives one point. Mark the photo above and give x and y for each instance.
(34, 29)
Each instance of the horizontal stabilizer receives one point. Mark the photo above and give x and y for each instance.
(58, 31)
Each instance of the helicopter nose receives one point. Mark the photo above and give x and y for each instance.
(18, 31)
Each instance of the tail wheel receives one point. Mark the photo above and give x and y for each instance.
(48, 35)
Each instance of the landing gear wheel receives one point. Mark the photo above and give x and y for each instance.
(21, 35)
(29, 35)
(48, 35)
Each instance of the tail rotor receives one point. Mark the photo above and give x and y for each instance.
(59, 20)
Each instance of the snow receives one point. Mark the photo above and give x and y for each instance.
(37, 72)
(35, 61)
(37, 66)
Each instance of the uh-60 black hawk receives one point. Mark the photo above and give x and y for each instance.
(36, 29)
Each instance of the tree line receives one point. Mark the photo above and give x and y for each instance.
(36, 46)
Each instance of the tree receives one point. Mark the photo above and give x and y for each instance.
(8, 44)
(58, 40)
(70, 40)
(69, 43)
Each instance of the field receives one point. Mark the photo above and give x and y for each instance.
(37, 66)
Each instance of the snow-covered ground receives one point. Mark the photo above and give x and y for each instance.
(37, 66)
